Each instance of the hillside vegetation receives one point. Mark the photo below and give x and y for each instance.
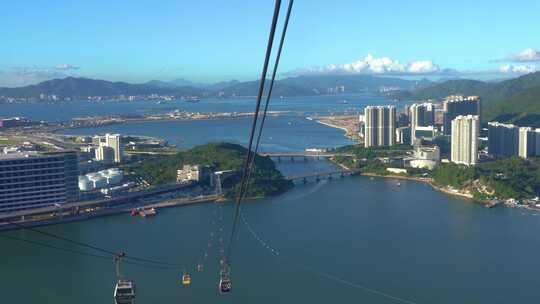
(509, 178)
(515, 100)
(266, 179)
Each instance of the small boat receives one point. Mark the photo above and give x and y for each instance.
(191, 98)
(186, 279)
(399, 184)
(147, 212)
(200, 267)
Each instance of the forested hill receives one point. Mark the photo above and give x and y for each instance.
(266, 179)
(515, 100)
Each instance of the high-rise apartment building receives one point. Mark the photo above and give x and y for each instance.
(453, 106)
(380, 126)
(113, 141)
(109, 148)
(421, 115)
(105, 154)
(33, 180)
(403, 135)
(464, 148)
(503, 140)
(527, 145)
(537, 142)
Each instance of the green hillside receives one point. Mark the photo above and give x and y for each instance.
(266, 179)
(515, 100)
(521, 109)
(452, 87)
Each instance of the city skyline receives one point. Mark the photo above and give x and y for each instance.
(210, 42)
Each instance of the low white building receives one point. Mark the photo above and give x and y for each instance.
(397, 170)
(100, 179)
(189, 173)
(425, 157)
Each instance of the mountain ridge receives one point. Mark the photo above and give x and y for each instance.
(515, 100)
(292, 86)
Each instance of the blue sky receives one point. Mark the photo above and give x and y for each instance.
(209, 41)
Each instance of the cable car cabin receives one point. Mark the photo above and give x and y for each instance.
(186, 279)
(224, 283)
(124, 292)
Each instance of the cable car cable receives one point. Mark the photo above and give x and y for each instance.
(82, 253)
(318, 273)
(243, 182)
(274, 72)
(55, 247)
(270, 89)
(110, 252)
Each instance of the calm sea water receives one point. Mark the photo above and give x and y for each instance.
(283, 133)
(335, 240)
(353, 240)
(306, 105)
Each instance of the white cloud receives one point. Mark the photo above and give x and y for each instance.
(66, 67)
(527, 55)
(517, 69)
(22, 76)
(373, 65)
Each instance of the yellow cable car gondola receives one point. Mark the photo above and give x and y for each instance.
(186, 279)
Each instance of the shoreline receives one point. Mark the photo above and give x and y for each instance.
(424, 180)
(430, 182)
(170, 203)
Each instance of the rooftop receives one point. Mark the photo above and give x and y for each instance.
(17, 155)
(457, 98)
(29, 154)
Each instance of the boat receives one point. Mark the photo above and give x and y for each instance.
(124, 292)
(191, 99)
(315, 150)
(147, 212)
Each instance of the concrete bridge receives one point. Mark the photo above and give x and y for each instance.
(323, 175)
(302, 155)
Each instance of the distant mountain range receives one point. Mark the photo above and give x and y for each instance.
(84, 87)
(297, 86)
(186, 83)
(515, 100)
